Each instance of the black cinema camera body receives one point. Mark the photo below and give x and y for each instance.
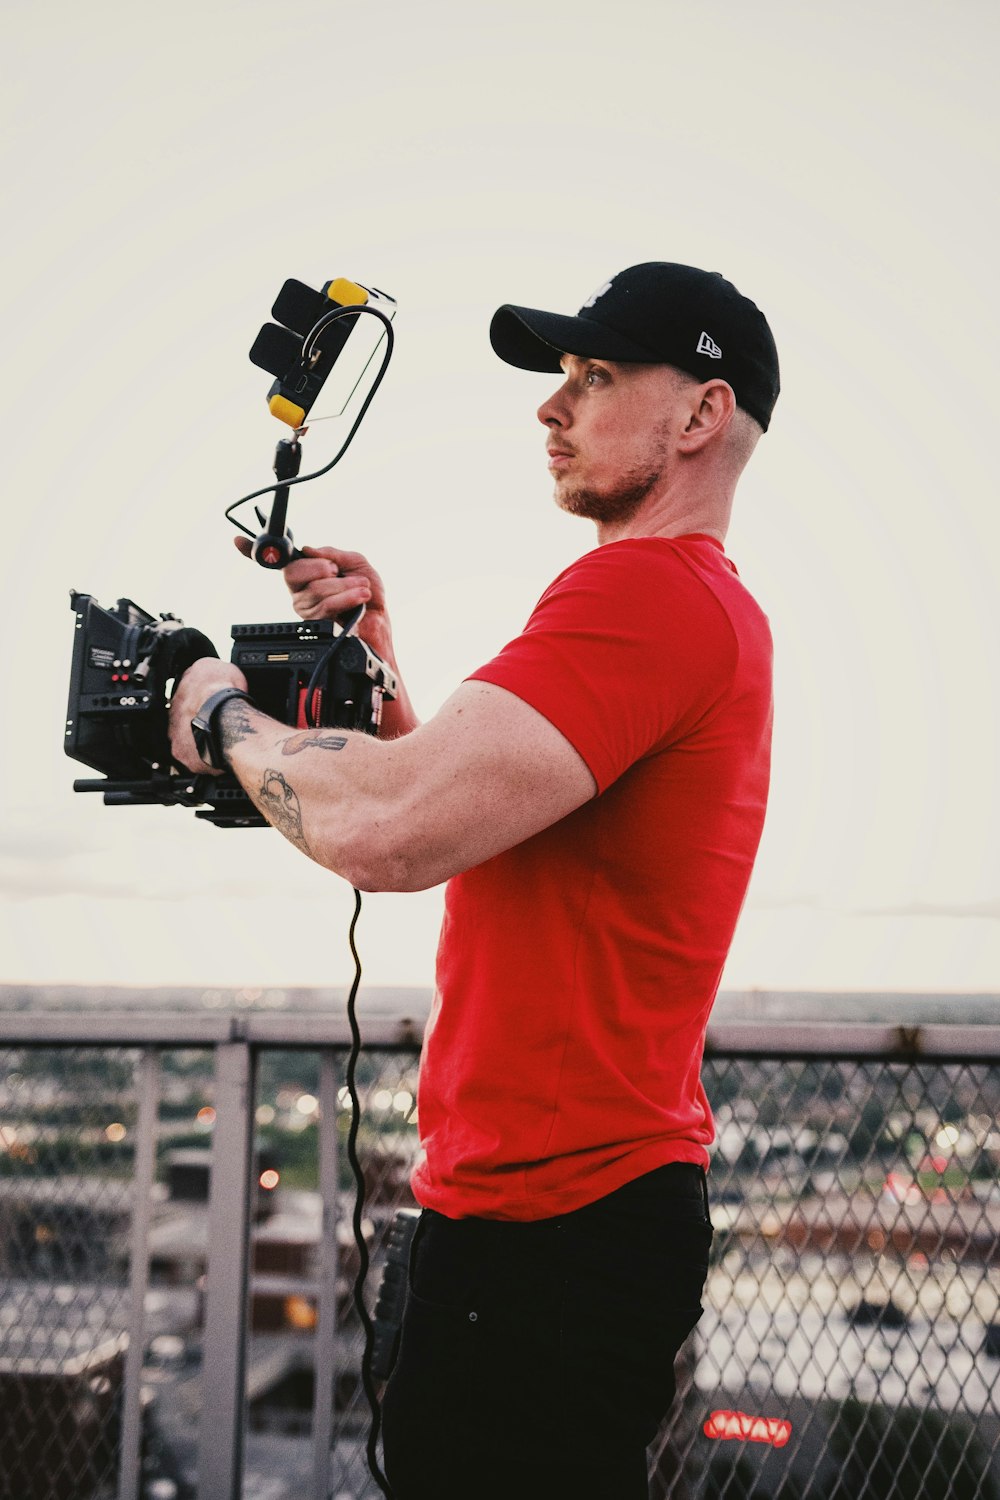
(307, 675)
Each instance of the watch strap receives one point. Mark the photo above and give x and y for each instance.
(205, 727)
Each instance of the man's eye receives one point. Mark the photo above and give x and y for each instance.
(595, 377)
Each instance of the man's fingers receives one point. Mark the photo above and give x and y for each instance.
(346, 562)
(326, 581)
(328, 597)
(298, 575)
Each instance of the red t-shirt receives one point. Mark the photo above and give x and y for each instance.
(577, 970)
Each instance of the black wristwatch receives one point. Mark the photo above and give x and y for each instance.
(204, 727)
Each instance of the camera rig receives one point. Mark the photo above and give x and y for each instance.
(308, 675)
(125, 662)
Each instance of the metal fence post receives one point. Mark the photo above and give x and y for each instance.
(220, 1448)
(147, 1082)
(324, 1361)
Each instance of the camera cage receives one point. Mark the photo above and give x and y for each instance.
(308, 675)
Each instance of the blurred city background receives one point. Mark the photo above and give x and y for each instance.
(178, 1259)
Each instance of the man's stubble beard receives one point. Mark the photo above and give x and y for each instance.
(623, 501)
(606, 506)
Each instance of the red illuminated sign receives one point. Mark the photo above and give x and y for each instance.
(747, 1429)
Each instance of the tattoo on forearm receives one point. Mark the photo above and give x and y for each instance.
(235, 723)
(279, 802)
(312, 741)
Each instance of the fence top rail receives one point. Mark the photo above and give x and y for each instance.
(315, 1029)
(886, 1040)
(179, 1029)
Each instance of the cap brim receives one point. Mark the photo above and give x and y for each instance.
(534, 340)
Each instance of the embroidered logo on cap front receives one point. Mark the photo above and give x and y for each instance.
(707, 345)
(599, 293)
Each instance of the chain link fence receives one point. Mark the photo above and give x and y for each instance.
(65, 1214)
(849, 1349)
(850, 1345)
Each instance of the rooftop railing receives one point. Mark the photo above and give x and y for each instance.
(176, 1259)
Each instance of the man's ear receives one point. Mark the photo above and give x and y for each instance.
(713, 406)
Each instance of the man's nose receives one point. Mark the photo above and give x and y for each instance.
(555, 411)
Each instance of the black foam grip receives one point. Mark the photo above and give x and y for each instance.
(182, 647)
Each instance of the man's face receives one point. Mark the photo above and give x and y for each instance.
(609, 427)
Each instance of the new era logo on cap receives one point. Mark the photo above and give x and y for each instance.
(707, 345)
(604, 287)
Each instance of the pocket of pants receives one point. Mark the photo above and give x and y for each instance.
(619, 1369)
(427, 1401)
(440, 1319)
(622, 1332)
(441, 1338)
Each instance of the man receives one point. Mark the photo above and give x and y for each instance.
(595, 797)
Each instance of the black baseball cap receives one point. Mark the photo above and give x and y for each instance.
(655, 313)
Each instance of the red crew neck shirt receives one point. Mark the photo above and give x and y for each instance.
(577, 970)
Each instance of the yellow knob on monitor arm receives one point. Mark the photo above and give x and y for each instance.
(347, 293)
(286, 411)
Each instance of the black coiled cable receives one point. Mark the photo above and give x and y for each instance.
(367, 1378)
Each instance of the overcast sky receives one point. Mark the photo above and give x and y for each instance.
(167, 168)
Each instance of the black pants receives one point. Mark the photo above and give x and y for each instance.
(536, 1359)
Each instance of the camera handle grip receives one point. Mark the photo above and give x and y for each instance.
(274, 547)
(273, 550)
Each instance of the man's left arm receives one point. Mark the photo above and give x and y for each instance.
(485, 773)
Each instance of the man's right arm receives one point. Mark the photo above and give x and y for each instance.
(327, 582)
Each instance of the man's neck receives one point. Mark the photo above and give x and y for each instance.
(662, 518)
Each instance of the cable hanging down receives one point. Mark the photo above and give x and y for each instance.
(286, 466)
(367, 1378)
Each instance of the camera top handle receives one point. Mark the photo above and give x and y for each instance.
(274, 547)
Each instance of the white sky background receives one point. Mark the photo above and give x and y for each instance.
(168, 167)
